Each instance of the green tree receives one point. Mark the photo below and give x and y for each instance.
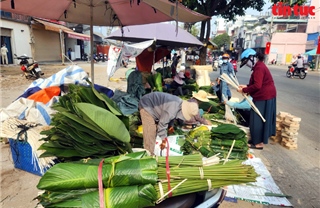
(194, 31)
(227, 9)
(221, 40)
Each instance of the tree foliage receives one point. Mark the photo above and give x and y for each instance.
(194, 31)
(221, 40)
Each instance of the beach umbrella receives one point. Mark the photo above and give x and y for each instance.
(102, 13)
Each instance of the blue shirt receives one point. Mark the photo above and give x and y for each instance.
(226, 68)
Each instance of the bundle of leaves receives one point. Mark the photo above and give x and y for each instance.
(86, 124)
(136, 180)
(223, 137)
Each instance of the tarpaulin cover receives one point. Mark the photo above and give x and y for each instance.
(104, 90)
(46, 94)
(117, 53)
(29, 92)
(134, 85)
(39, 112)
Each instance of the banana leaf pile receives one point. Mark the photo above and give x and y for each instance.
(135, 180)
(198, 139)
(222, 139)
(86, 124)
(217, 141)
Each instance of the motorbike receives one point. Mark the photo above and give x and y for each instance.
(96, 57)
(31, 70)
(85, 57)
(293, 72)
(101, 57)
(235, 67)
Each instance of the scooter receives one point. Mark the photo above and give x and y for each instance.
(85, 57)
(293, 72)
(31, 70)
(96, 57)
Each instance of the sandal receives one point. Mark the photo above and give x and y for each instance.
(252, 146)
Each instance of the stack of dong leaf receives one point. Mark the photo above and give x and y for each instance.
(86, 124)
(222, 140)
(217, 141)
(135, 180)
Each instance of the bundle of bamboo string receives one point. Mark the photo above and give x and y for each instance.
(11, 128)
(234, 83)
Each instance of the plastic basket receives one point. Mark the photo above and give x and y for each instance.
(22, 157)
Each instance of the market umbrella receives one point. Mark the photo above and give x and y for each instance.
(102, 13)
(164, 34)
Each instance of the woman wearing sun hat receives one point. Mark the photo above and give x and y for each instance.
(177, 84)
(200, 96)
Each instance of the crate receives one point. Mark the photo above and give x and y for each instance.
(22, 157)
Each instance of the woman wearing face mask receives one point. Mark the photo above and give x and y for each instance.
(263, 91)
(227, 68)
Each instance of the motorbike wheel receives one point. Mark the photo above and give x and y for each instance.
(288, 74)
(302, 75)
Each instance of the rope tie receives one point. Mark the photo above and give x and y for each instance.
(209, 184)
(201, 172)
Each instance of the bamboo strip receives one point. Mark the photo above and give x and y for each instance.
(234, 141)
(162, 198)
(227, 79)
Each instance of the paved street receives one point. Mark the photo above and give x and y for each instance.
(296, 172)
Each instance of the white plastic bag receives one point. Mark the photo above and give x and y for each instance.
(174, 147)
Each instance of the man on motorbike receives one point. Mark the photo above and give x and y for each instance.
(299, 65)
(233, 61)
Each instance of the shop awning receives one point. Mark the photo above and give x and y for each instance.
(57, 28)
(78, 36)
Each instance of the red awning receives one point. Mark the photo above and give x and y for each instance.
(56, 28)
(79, 36)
